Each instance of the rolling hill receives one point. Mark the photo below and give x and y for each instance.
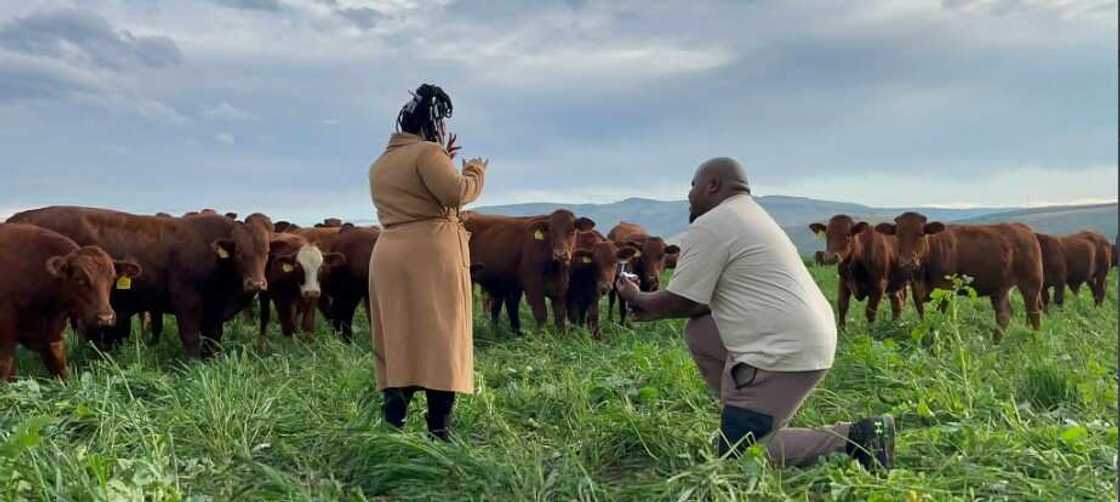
(670, 218)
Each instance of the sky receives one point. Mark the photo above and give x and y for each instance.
(281, 105)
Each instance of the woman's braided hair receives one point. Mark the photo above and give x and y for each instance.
(425, 113)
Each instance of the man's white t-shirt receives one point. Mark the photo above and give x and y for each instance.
(770, 313)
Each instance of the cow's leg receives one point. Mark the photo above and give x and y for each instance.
(1099, 285)
(188, 312)
(155, 325)
(610, 305)
(593, 319)
(7, 346)
(1032, 300)
(265, 315)
(247, 314)
(897, 299)
(843, 297)
(1060, 295)
(539, 308)
(307, 313)
(513, 310)
(120, 331)
(873, 299)
(54, 358)
(1044, 297)
(918, 292)
(344, 309)
(211, 336)
(286, 312)
(1001, 303)
(559, 312)
(495, 305)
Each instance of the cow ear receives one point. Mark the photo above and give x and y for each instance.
(817, 228)
(539, 230)
(224, 248)
(585, 224)
(885, 228)
(334, 259)
(933, 228)
(58, 266)
(625, 253)
(672, 249)
(859, 227)
(125, 268)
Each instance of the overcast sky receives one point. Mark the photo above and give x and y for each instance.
(280, 105)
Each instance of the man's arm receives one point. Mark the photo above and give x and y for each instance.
(659, 304)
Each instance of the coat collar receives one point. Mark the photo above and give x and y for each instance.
(402, 139)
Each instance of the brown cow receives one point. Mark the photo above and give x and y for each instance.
(648, 262)
(346, 282)
(867, 265)
(1053, 270)
(996, 257)
(527, 254)
(48, 278)
(202, 269)
(1088, 260)
(1101, 266)
(330, 223)
(594, 268)
(285, 226)
(293, 272)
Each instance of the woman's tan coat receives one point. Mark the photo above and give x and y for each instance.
(420, 286)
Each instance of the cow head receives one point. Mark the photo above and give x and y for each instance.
(558, 233)
(649, 259)
(261, 220)
(306, 266)
(839, 237)
(247, 251)
(911, 229)
(88, 275)
(285, 226)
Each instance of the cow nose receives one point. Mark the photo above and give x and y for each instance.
(563, 256)
(312, 293)
(108, 319)
(253, 285)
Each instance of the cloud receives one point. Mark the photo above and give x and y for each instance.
(262, 5)
(226, 138)
(226, 111)
(83, 38)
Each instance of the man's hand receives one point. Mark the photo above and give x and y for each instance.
(627, 289)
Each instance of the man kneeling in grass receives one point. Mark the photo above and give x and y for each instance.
(759, 329)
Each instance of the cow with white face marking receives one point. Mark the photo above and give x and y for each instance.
(293, 272)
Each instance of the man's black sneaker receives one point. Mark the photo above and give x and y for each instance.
(871, 442)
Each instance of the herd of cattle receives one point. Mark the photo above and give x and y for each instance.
(96, 269)
(884, 260)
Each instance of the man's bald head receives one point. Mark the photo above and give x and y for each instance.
(727, 171)
(715, 181)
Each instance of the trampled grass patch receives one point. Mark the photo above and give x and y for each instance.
(561, 416)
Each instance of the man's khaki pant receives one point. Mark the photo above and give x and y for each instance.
(776, 394)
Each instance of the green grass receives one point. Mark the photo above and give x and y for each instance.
(561, 416)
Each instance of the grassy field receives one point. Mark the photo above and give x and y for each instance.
(561, 417)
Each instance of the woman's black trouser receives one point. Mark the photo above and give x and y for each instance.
(440, 404)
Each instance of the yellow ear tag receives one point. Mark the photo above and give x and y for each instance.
(222, 253)
(287, 268)
(637, 254)
(538, 235)
(124, 282)
(586, 259)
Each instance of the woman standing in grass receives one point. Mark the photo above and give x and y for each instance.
(419, 288)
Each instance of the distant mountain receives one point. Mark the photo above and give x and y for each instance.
(1059, 220)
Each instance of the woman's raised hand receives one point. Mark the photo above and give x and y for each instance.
(451, 147)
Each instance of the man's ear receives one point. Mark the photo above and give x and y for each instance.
(885, 228)
(127, 268)
(58, 266)
(224, 248)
